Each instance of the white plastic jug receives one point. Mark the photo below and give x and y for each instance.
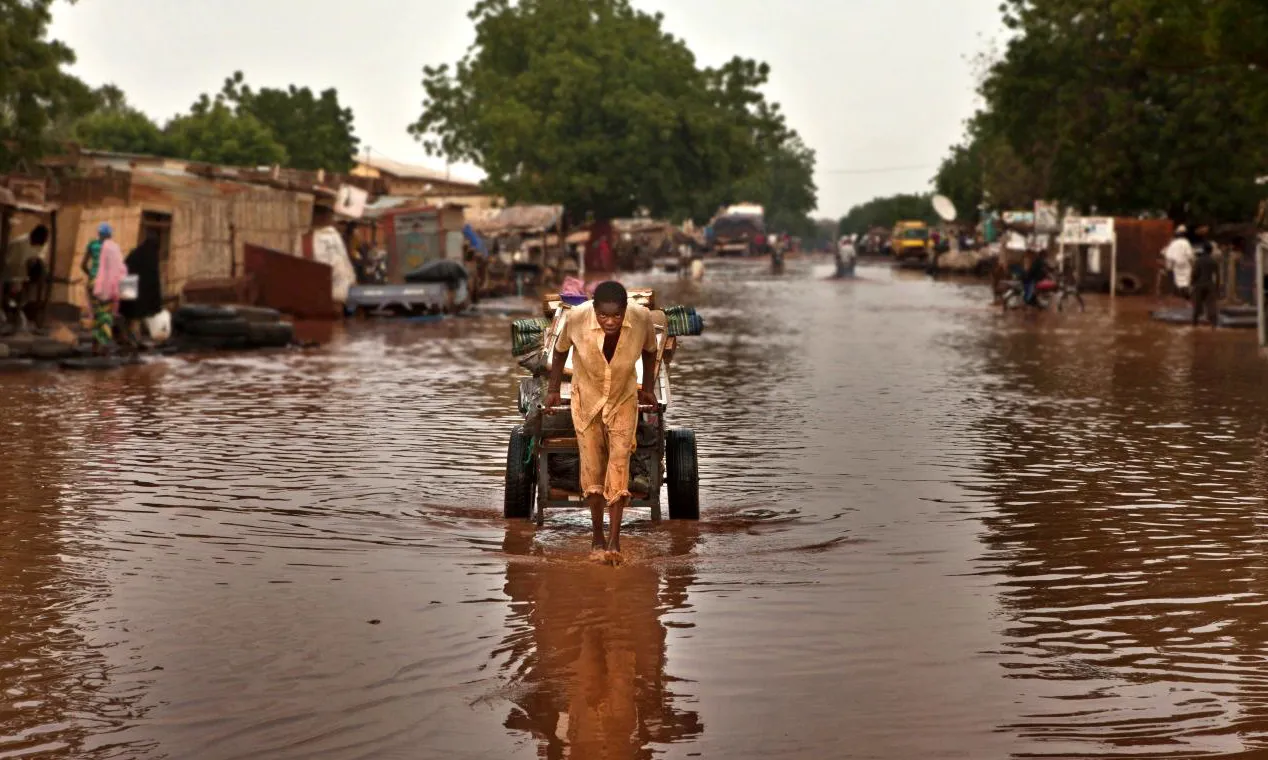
(130, 287)
(160, 325)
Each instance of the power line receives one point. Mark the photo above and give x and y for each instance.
(878, 170)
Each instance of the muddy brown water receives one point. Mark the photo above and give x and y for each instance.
(929, 531)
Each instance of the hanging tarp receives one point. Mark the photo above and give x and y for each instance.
(474, 240)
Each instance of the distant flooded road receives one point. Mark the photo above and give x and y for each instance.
(929, 530)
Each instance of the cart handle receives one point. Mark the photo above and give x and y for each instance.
(565, 408)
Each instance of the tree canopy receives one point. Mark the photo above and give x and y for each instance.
(36, 92)
(1124, 106)
(238, 126)
(886, 212)
(590, 103)
(214, 133)
(116, 126)
(316, 131)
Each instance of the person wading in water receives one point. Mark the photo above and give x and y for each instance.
(608, 335)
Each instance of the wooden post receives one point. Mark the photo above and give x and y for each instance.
(5, 231)
(1114, 268)
(233, 251)
(1260, 251)
(46, 291)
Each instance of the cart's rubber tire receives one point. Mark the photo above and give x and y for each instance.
(682, 474)
(518, 499)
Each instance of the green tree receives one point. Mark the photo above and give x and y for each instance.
(984, 170)
(1082, 103)
(591, 104)
(36, 92)
(784, 185)
(117, 126)
(886, 212)
(316, 130)
(214, 133)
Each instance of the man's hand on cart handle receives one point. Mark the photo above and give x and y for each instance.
(647, 399)
(552, 402)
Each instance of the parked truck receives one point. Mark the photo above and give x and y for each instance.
(739, 230)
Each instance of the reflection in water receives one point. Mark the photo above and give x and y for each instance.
(1132, 547)
(930, 530)
(60, 694)
(587, 648)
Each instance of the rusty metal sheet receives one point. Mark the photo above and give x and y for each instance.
(1140, 244)
(290, 284)
(241, 290)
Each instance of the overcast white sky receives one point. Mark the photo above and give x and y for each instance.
(870, 84)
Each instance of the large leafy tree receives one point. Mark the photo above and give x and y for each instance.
(214, 133)
(117, 126)
(985, 170)
(784, 184)
(316, 131)
(36, 92)
(591, 104)
(886, 212)
(1097, 115)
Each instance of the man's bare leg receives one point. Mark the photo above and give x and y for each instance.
(616, 511)
(595, 502)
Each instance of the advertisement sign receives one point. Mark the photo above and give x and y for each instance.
(417, 239)
(351, 201)
(1087, 230)
(1047, 217)
(1019, 218)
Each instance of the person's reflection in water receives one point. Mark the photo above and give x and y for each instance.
(587, 650)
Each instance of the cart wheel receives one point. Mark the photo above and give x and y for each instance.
(682, 475)
(518, 502)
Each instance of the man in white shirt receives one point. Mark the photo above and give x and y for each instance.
(1178, 256)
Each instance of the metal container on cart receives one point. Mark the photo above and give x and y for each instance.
(543, 461)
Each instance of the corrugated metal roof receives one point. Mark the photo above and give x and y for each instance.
(412, 171)
(489, 220)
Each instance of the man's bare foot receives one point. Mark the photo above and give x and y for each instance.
(599, 543)
(613, 558)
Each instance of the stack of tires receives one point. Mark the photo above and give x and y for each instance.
(201, 327)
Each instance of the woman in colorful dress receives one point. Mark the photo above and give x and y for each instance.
(104, 267)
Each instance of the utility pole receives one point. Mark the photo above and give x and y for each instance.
(1260, 250)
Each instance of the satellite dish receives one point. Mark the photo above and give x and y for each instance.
(945, 208)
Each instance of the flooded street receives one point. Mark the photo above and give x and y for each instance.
(929, 530)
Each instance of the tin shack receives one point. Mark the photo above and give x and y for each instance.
(202, 217)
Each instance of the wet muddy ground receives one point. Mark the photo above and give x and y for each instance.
(930, 530)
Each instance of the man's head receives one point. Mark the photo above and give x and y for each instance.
(610, 300)
(1181, 231)
(105, 231)
(39, 235)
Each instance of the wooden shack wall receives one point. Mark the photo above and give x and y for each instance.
(76, 228)
(202, 244)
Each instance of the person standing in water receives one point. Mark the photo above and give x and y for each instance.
(1206, 281)
(103, 265)
(607, 336)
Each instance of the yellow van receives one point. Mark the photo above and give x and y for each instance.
(910, 243)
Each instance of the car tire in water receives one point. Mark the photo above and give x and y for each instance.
(270, 334)
(682, 474)
(233, 327)
(196, 312)
(518, 500)
(257, 314)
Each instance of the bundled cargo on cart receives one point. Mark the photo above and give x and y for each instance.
(543, 464)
